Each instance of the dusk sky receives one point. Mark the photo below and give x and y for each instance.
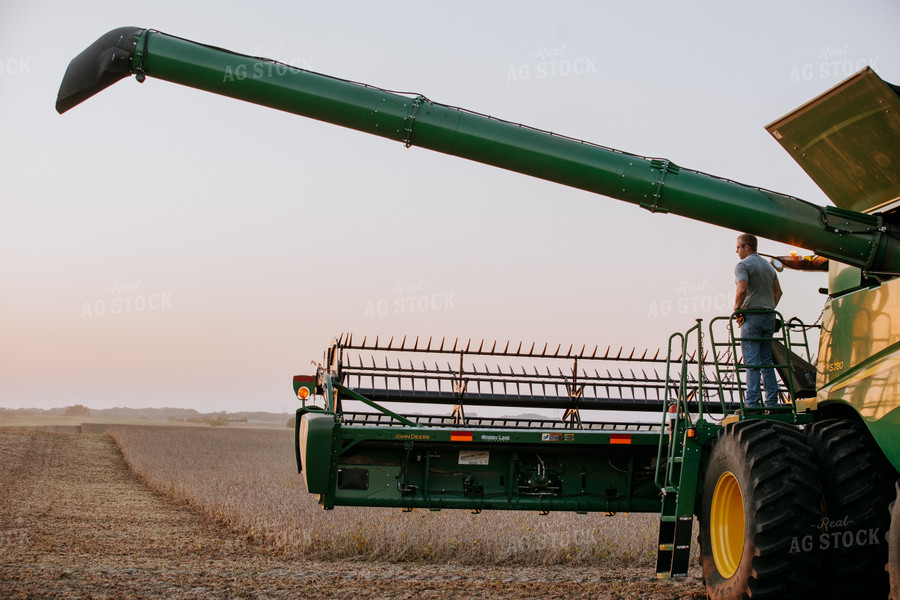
(162, 246)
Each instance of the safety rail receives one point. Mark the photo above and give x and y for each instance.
(677, 420)
(798, 329)
(730, 372)
(675, 477)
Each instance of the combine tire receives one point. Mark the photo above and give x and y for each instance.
(760, 501)
(856, 487)
(893, 565)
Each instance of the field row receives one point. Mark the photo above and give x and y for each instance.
(247, 479)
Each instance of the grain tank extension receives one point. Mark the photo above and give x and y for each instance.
(792, 503)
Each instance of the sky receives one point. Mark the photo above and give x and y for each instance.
(162, 246)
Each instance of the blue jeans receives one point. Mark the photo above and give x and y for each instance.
(759, 325)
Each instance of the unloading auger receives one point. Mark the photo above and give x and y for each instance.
(658, 185)
(765, 487)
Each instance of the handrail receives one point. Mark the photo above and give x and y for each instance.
(681, 419)
(741, 365)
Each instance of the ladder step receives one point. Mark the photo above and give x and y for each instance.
(667, 547)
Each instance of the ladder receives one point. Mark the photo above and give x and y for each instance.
(678, 480)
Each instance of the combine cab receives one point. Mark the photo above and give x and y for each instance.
(792, 502)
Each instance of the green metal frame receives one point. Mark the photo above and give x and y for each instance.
(438, 467)
(408, 465)
(399, 463)
(655, 184)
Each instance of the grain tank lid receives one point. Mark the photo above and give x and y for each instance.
(848, 141)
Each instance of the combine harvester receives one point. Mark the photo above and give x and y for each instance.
(794, 503)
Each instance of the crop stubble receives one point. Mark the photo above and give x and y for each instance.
(229, 518)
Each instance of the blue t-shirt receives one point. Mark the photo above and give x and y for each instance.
(760, 277)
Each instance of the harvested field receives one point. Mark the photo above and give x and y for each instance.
(75, 521)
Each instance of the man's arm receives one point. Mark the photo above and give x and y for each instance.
(741, 293)
(777, 291)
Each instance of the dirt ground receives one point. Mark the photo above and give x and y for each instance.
(75, 522)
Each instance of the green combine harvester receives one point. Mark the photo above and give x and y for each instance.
(797, 502)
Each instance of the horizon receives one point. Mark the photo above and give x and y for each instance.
(164, 246)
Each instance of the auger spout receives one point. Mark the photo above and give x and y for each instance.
(862, 240)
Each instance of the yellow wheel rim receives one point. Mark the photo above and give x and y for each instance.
(727, 525)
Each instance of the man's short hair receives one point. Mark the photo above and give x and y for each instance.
(750, 240)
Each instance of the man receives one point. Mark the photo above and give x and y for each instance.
(757, 289)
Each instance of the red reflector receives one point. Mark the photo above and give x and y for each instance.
(460, 436)
(619, 438)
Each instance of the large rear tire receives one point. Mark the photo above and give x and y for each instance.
(893, 564)
(760, 502)
(856, 486)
